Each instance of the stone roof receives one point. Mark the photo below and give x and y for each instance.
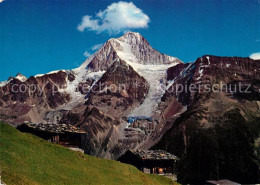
(54, 128)
(224, 181)
(154, 155)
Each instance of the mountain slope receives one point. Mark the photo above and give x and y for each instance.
(217, 136)
(32, 98)
(26, 159)
(107, 104)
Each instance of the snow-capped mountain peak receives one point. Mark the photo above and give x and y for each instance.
(132, 38)
(134, 47)
(21, 77)
(136, 51)
(131, 47)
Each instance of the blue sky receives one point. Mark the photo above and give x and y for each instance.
(38, 36)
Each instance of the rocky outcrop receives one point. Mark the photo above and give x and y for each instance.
(119, 89)
(218, 102)
(220, 84)
(104, 58)
(30, 99)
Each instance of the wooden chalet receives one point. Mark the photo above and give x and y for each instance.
(63, 134)
(151, 161)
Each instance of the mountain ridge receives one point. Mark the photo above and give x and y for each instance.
(96, 65)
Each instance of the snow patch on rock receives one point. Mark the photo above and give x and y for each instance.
(21, 77)
(52, 72)
(3, 83)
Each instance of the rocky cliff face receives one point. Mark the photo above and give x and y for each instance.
(24, 99)
(219, 84)
(119, 89)
(227, 111)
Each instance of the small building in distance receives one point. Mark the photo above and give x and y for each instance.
(63, 134)
(151, 161)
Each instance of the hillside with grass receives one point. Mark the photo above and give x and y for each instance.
(27, 159)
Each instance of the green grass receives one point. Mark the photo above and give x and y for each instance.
(27, 159)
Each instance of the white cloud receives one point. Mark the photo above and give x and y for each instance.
(116, 18)
(86, 54)
(1, 1)
(96, 47)
(255, 56)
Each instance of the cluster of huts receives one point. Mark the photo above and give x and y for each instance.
(148, 161)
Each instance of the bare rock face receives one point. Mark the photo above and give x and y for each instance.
(104, 58)
(219, 84)
(24, 99)
(119, 89)
(175, 71)
(211, 70)
(213, 116)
